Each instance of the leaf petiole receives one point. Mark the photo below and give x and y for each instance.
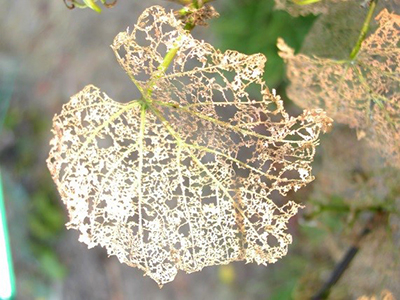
(91, 4)
(364, 29)
(305, 2)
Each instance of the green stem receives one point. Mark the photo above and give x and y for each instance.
(168, 58)
(305, 2)
(91, 4)
(364, 29)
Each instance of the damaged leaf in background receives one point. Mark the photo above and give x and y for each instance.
(363, 93)
(184, 176)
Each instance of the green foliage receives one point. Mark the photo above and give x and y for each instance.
(253, 26)
(286, 278)
(46, 220)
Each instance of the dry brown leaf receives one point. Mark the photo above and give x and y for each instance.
(363, 93)
(182, 178)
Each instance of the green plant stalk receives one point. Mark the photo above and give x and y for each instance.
(305, 2)
(91, 4)
(168, 58)
(86, 3)
(364, 29)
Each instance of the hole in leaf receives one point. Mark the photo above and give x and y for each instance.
(226, 112)
(122, 52)
(142, 39)
(272, 241)
(184, 230)
(105, 142)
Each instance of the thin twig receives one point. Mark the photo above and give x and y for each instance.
(341, 267)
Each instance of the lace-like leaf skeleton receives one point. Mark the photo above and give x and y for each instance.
(182, 177)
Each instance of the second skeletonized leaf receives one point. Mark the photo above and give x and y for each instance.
(363, 93)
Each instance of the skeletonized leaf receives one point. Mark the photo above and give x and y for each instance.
(182, 178)
(363, 93)
(334, 34)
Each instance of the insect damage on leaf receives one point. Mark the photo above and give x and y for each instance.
(183, 177)
(363, 93)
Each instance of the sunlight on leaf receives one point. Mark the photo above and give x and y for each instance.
(363, 93)
(183, 177)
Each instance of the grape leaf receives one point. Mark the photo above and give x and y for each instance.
(363, 93)
(334, 34)
(183, 177)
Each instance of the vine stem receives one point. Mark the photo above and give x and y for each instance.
(364, 29)
(169, 57)
(341, 267)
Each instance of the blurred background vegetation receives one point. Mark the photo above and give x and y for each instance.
(48, 53)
